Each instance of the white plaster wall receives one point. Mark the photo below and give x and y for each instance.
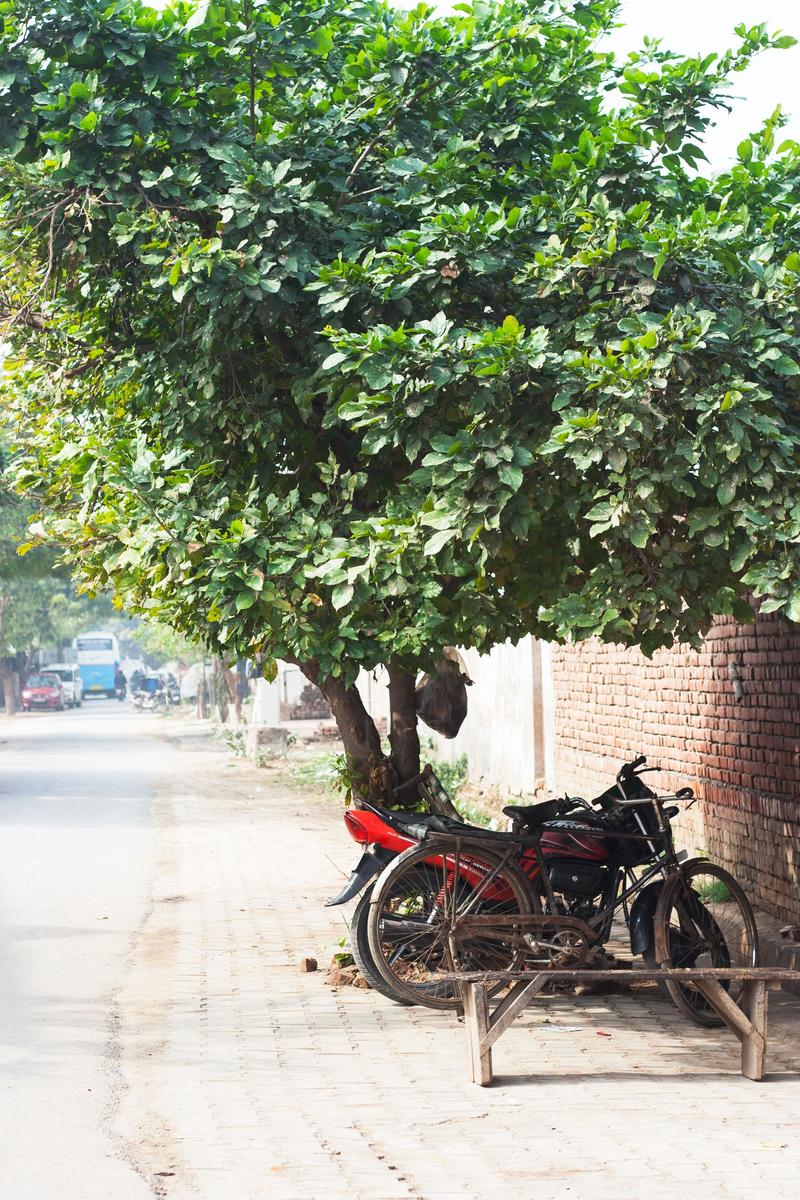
(549, 716)
(267, 703)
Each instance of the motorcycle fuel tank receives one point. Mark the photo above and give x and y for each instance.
(572, 839)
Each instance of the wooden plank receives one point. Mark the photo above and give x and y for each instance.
(755, 1002)
(585, 975)
(509, 1009)
(468, 1005)
(476, 1018)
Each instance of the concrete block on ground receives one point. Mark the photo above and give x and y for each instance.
(267, 739)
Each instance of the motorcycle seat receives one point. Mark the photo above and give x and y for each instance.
(533, 816)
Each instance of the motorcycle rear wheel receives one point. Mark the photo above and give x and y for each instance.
(414, 905)
(362, 955)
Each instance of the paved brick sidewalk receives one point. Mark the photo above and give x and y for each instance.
(243, 1079)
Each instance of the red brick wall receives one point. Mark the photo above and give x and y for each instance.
(742, 757)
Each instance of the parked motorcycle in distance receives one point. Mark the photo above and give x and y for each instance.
(154, 692)
(154, 701)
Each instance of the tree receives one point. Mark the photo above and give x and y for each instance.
(342, 334)
(70, 613)
(28, 588)
(157, 642)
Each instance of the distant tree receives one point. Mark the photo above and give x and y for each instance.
(70, 614)
(27, 588)
(344, 334)
(159, 643)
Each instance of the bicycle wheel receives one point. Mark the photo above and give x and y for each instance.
(704, 919)
(416, 903)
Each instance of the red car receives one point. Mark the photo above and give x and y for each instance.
(43, 691)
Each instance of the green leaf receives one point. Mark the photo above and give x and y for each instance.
(341, 595)
(333, 360)
(639, 534)
(786, 366)
(793, 607)
(511, 476)
(745, 150)
(245, 600)
(89, 122)
(322, 41)
(79, 91)
(440, 539)
(405, 166)
(511, 325)
(198, 17)
(269, 669)
(439, 325)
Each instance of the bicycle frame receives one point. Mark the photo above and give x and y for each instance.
(661, 844)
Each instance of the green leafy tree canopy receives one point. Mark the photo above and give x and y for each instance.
(342, 334)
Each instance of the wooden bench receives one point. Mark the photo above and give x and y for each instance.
(748, 1020)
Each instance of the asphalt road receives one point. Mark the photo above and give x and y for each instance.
(76, 849)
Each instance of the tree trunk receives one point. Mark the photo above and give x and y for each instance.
(202, 695)
(219, 689)
(9, 679)
(232, 684)
(403, 733)
(23, 667)
(372, 770)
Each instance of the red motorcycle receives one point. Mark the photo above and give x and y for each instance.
(577, 864)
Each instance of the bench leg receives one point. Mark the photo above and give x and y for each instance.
(748, 1022)
(476, 1020)
(754, 1046)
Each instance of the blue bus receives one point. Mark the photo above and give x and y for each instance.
(97, 655)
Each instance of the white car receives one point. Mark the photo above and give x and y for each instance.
(70, 676)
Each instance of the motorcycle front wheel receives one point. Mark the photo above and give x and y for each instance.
(704, 919)
(417, 902)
